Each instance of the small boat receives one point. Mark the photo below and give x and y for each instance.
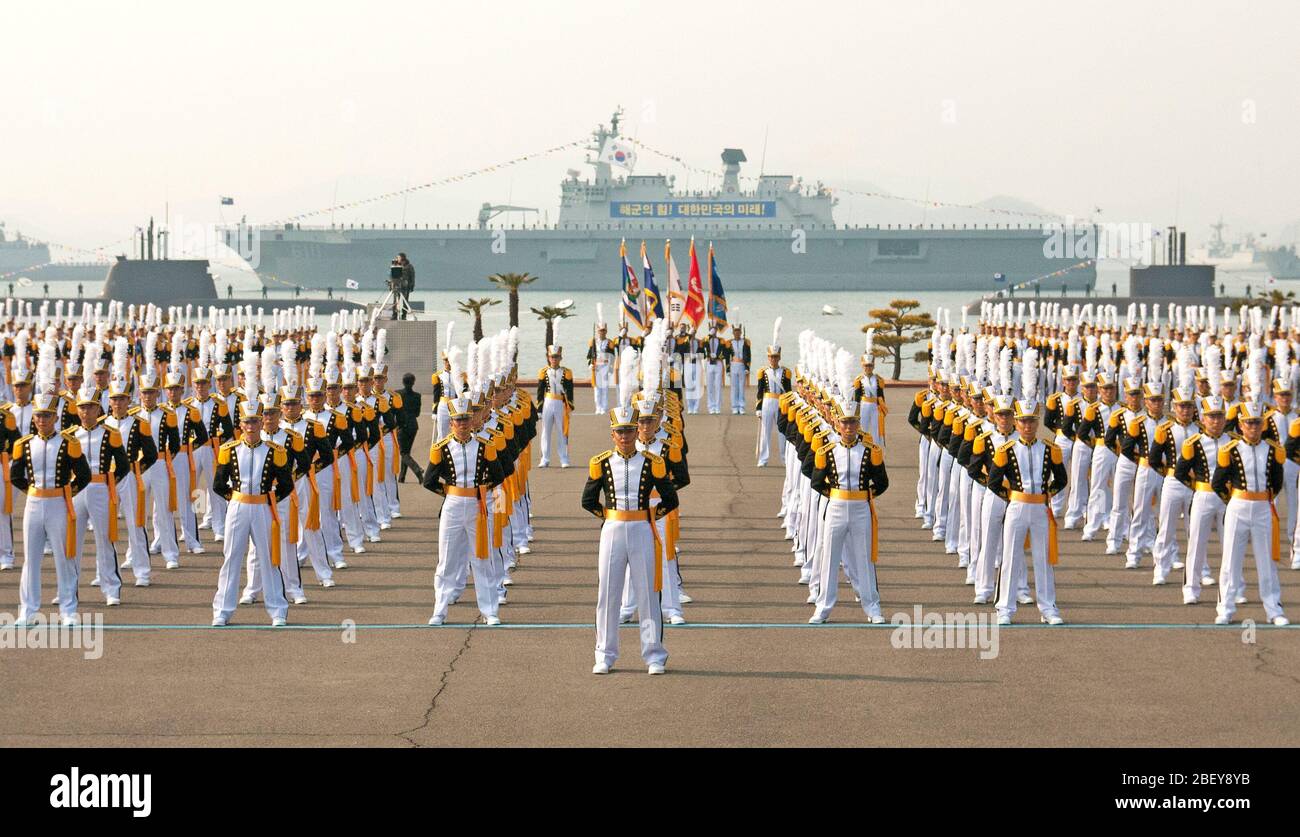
(831, 311)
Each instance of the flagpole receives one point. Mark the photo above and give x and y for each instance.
(712, 321)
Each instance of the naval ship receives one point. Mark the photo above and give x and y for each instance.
(1283, 263)
(21, 256)
(776, 235)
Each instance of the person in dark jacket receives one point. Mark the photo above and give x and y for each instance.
(408, 426)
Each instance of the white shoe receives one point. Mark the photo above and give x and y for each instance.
(564, 465)
(1191, 600)
(397, 515)
(1052, 620)
(525, 550)
(1110, 550)
(341, 565)
(600, 668)
(112, 601)
(543, 464)
(68, 621)
(817, 620)
(218, 621)
(876, 619)
(142, 582)
(205, 524)
(508, 582)
(513, 565)
(494, 620)
(94, 582)
(1281, 621)
(299, 599)
(1295, 565)
(125, 565)
(626, 620)
(360, 550)
(279, 622)
(1222, 620)
(676, 620)
(970, 582)
(328, 582)
(246, 600)
(1178, 565)
(373, 539)
(54, 601)
(173, 565)
(655, 668)
(1004, 620)
(981, 599)
(1131, 564)
(1208, 581)
(1024, 599)
(436, 620)
(685, 599)
(1159, 581)
(383, 526)
(1241, 600)
(812, 599)
(196, 550)
(218, 538)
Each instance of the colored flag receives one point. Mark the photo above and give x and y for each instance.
(717, 296)
(676, 299)
(225, 201)
(618, 153)
(694, 310)
(352, 284)
(654, 305)
(999, 277)
(632, 300)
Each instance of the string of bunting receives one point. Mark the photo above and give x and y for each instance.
(1031, 282)
(432, 184)
(928, 202)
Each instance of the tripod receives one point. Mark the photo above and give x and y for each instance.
(393, 306)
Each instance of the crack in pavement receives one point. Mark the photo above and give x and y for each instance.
(1263, 664)
(406, 735)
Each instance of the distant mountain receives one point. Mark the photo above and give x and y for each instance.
(856, 207)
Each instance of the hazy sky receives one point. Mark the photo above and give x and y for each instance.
(1157, 112)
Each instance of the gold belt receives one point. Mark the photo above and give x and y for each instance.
(845, 494)
(458, 491)
(772, 394)
(1238, 494)
(44, 493)
(868, 399)
(1023, 497)
(250, 499)
(99, 477)
(628, 515)
(1202, 486)
(1142, 460)
(1098, 441)
(555, 396)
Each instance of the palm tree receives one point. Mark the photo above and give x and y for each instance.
(512, 282)
(550, 314)
(1276, 297)
(475, 307)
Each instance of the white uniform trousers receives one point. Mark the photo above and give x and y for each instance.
(992, 516)
(847, 541)
(738, 380)
(349, 505)
(670, 602)
(1290, 521)
(816, 546)
(975, 537)
(962, 529)
(1022, 519)
(767, 427)
(249, 524)
(693, 385)
(1080, 473)
(1248, 522)
(1206, 515)
(1146, 503)
(627, 549)
(553, 430)
(157, 499)
(457, 524)
(7, 492)
(185, 501)
(1060, 502)
(870, 421)
(45, 522)
(311, 542)
(1175, 503)
(942, 485)
(137, 541)
(367, 501)
(713, 379)
(600, 388)
(1121, 507)
(923, 458)
(442, 418)
(1099, 493)
(331, 526)
(932, 484)
(952, 525)
(392, 456)
(203, 471)
(288, 561)
(91, 506)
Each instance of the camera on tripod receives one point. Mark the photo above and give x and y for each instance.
(394, 274)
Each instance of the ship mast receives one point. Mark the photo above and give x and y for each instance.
(599, 136)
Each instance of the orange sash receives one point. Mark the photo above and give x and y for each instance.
(70, 541)
(313, 504)
(111, 479)
(8, 486)
(481, 527)
(171, 480)
(352, 475)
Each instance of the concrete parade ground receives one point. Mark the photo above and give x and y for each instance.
(1132, 666)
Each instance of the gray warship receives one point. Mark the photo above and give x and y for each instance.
(21, 256)
(780, 234)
